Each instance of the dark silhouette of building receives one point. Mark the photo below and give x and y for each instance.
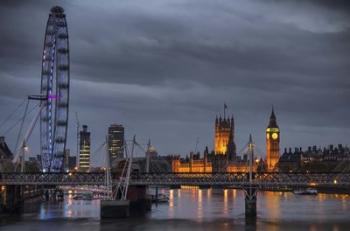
(70, 162)
(290, 161)
(84, 149)
(316, 159)
(5, 152)
(116, 141)
(231, 146)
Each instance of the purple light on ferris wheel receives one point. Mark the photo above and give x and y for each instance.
(52, 97)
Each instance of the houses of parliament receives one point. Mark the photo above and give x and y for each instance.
(224, 157)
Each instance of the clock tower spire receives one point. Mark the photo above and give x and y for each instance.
(272, 142)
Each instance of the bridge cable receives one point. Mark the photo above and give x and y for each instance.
(17, 122)
(11, 114)
(21, 126)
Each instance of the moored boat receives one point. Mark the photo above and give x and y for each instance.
(83, 196)
(308, 191)
(161, 198)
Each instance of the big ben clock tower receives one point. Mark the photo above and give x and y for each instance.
(272, 143)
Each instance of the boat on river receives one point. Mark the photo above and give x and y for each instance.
(161, 198)
(83, 196)
(308, 191)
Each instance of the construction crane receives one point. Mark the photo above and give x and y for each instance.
(196, 147)
(78, 128)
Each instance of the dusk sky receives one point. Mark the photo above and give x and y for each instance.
(165, 68)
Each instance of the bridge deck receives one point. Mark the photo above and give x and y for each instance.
(292, 180)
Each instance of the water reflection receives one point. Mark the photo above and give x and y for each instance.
(272, 204)
(171, 203)
(208, 209)
(225, 208)
(204, 204)
(199, 205)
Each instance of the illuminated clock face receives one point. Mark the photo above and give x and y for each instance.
(267, 135)
(274, 135)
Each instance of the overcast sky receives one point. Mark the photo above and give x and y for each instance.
(164, 68)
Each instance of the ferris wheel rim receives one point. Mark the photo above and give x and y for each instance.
(55, 79)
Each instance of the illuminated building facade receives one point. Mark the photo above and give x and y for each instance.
(222, 159)
(193, 164)
(84, 149)
(224, 135)
(210, 164)
(116, 141)
(272, 143)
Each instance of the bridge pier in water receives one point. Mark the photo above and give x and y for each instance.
(250, 202)
(11, 198)
(136, 203)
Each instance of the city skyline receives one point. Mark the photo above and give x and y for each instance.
(165, 76)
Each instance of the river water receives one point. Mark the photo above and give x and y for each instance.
(194, 209)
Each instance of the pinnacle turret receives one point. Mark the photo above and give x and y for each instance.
(273, 120)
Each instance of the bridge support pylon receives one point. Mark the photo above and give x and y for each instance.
(11, 198)
(250, 201)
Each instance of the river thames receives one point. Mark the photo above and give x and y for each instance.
(194, 209)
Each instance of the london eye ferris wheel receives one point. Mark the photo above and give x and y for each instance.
(55, 89)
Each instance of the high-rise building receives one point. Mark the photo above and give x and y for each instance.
(272, 143)
(84, 149)
(116, 141)
(70, 162)
(224, 137)
(66, 159)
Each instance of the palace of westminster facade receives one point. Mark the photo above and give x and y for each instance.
(224, 157)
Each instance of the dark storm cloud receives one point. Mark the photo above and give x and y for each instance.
(164, 69)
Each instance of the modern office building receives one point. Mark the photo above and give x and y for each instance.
(116, 141)
(84, 149)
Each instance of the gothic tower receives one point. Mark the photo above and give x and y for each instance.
(224, 136)
(272, 143)
(231, 146)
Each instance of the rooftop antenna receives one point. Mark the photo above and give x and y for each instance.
(225, 107)
(196, 147)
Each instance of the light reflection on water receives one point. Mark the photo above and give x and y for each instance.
(70, 208)
(198, 209)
